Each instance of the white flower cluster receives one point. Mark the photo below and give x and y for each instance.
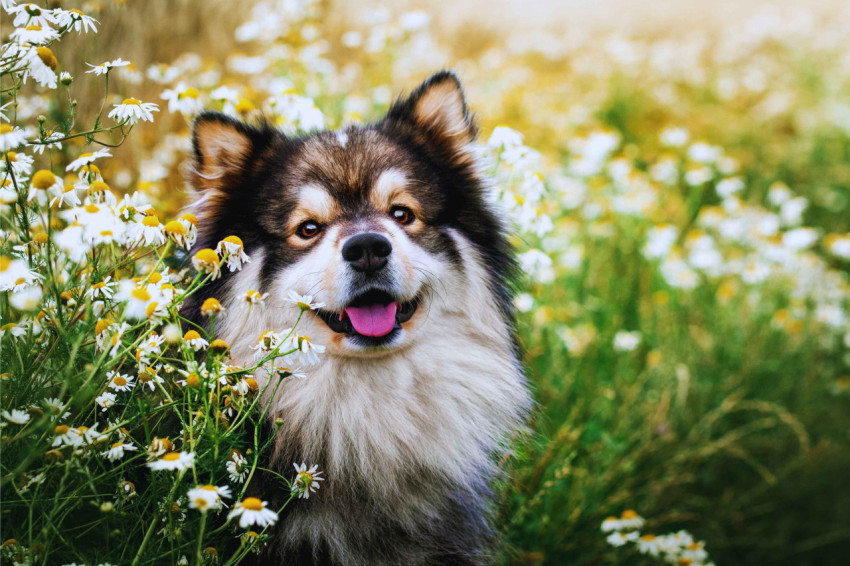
(678, 548)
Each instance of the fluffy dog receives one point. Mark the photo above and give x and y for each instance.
(392, 227)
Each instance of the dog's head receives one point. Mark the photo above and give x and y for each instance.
(373, 221)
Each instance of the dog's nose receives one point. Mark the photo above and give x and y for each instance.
(367, 252)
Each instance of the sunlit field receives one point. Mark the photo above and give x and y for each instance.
(680, 198)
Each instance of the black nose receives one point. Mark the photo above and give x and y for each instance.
(367, 252)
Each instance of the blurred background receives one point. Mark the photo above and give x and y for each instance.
(682, 201)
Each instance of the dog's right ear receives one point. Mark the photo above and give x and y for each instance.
(224, 149)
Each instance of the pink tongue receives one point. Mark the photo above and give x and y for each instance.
(373, 320)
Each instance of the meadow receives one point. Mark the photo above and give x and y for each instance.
(681, 205)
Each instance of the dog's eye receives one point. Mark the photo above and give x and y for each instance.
(402, 214)
(308, 229)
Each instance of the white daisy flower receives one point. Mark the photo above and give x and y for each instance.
(619, 539)
(194, 340)
(87, 158)
(611, 524)
(26, 299)
(253, 297)
(626, 341)
(631, 520)
(207, 261)
(309, 352)
(16, 416)
(117, 451)
(149, 231)
(11, 137)
(207, 497)
(35, 34)
(131, 110)
(105, 400)
(234, 252)
(68, 197)
(14, 273)
(173, 461)
(182, 98)
(120, 381)
(237, 467)
(63, 435)
(306, 481)
(105, 67)
(304, 302)
(76, 19)
(139, 300)
(253, 511)
(102, 289)
(20, 163)
(31, 14)
(55, 406)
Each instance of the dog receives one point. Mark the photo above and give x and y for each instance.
(391, 225)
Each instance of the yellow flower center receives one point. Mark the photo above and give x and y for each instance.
(175, 227)
(219, 345)
(40, 238)
(252, 504)
(47, 57)
(99, 187)
(190, 218)
(171, 457)
(192, 380)
(233, 240)
(90, 208)
(33, 28)
(207, 255)
(132, 101)
(191, 335)
(150, 221)
(209, 487)
(190, 92)
(211, 305)
(117, 445)
(149, 312)
(629, 514)
(119, 381)
(101, 325)
(155, 277)
(61, 429)
(5, 128)
(12, 156)
(43, 179)
(141, 294)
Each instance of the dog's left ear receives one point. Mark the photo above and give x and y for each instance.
(436, 114)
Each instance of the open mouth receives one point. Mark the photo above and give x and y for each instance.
(373, 317)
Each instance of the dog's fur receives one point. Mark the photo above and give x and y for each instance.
(408, 431)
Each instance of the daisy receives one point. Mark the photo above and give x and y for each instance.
(77, 19)
(131, 110)
(626, 341)
(237, 467)
(20, 164)
(183, 99)
(14, 272)
(160, 446)
(31, 14)
(66, 79)
(173, 461)
(253, 297)
(148, 376)
(101, 290)
(149, 231)
(87, 158)
(211, 306)
(137, 300)
(26, 299)
(193, 339)
(207, 497)
(104, 68)
(105, 400)
(306, 481)
(177, 232)
(207, 261)
(11, 138)
(67, 197)
(41, 66)
(233, 251)
(133, 208)
(120, 381)
(648, 544)
(63, 435)
(619, 539)
(611, 524)
(253, 511)
(56, 407)
(304, 302)
(246, 385)
(16, 416)
(630, 520)
(190, 224)
(35, 34)
(117, 450)
(309, 351)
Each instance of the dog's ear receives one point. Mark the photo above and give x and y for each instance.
(224, 149)
(436, 114)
